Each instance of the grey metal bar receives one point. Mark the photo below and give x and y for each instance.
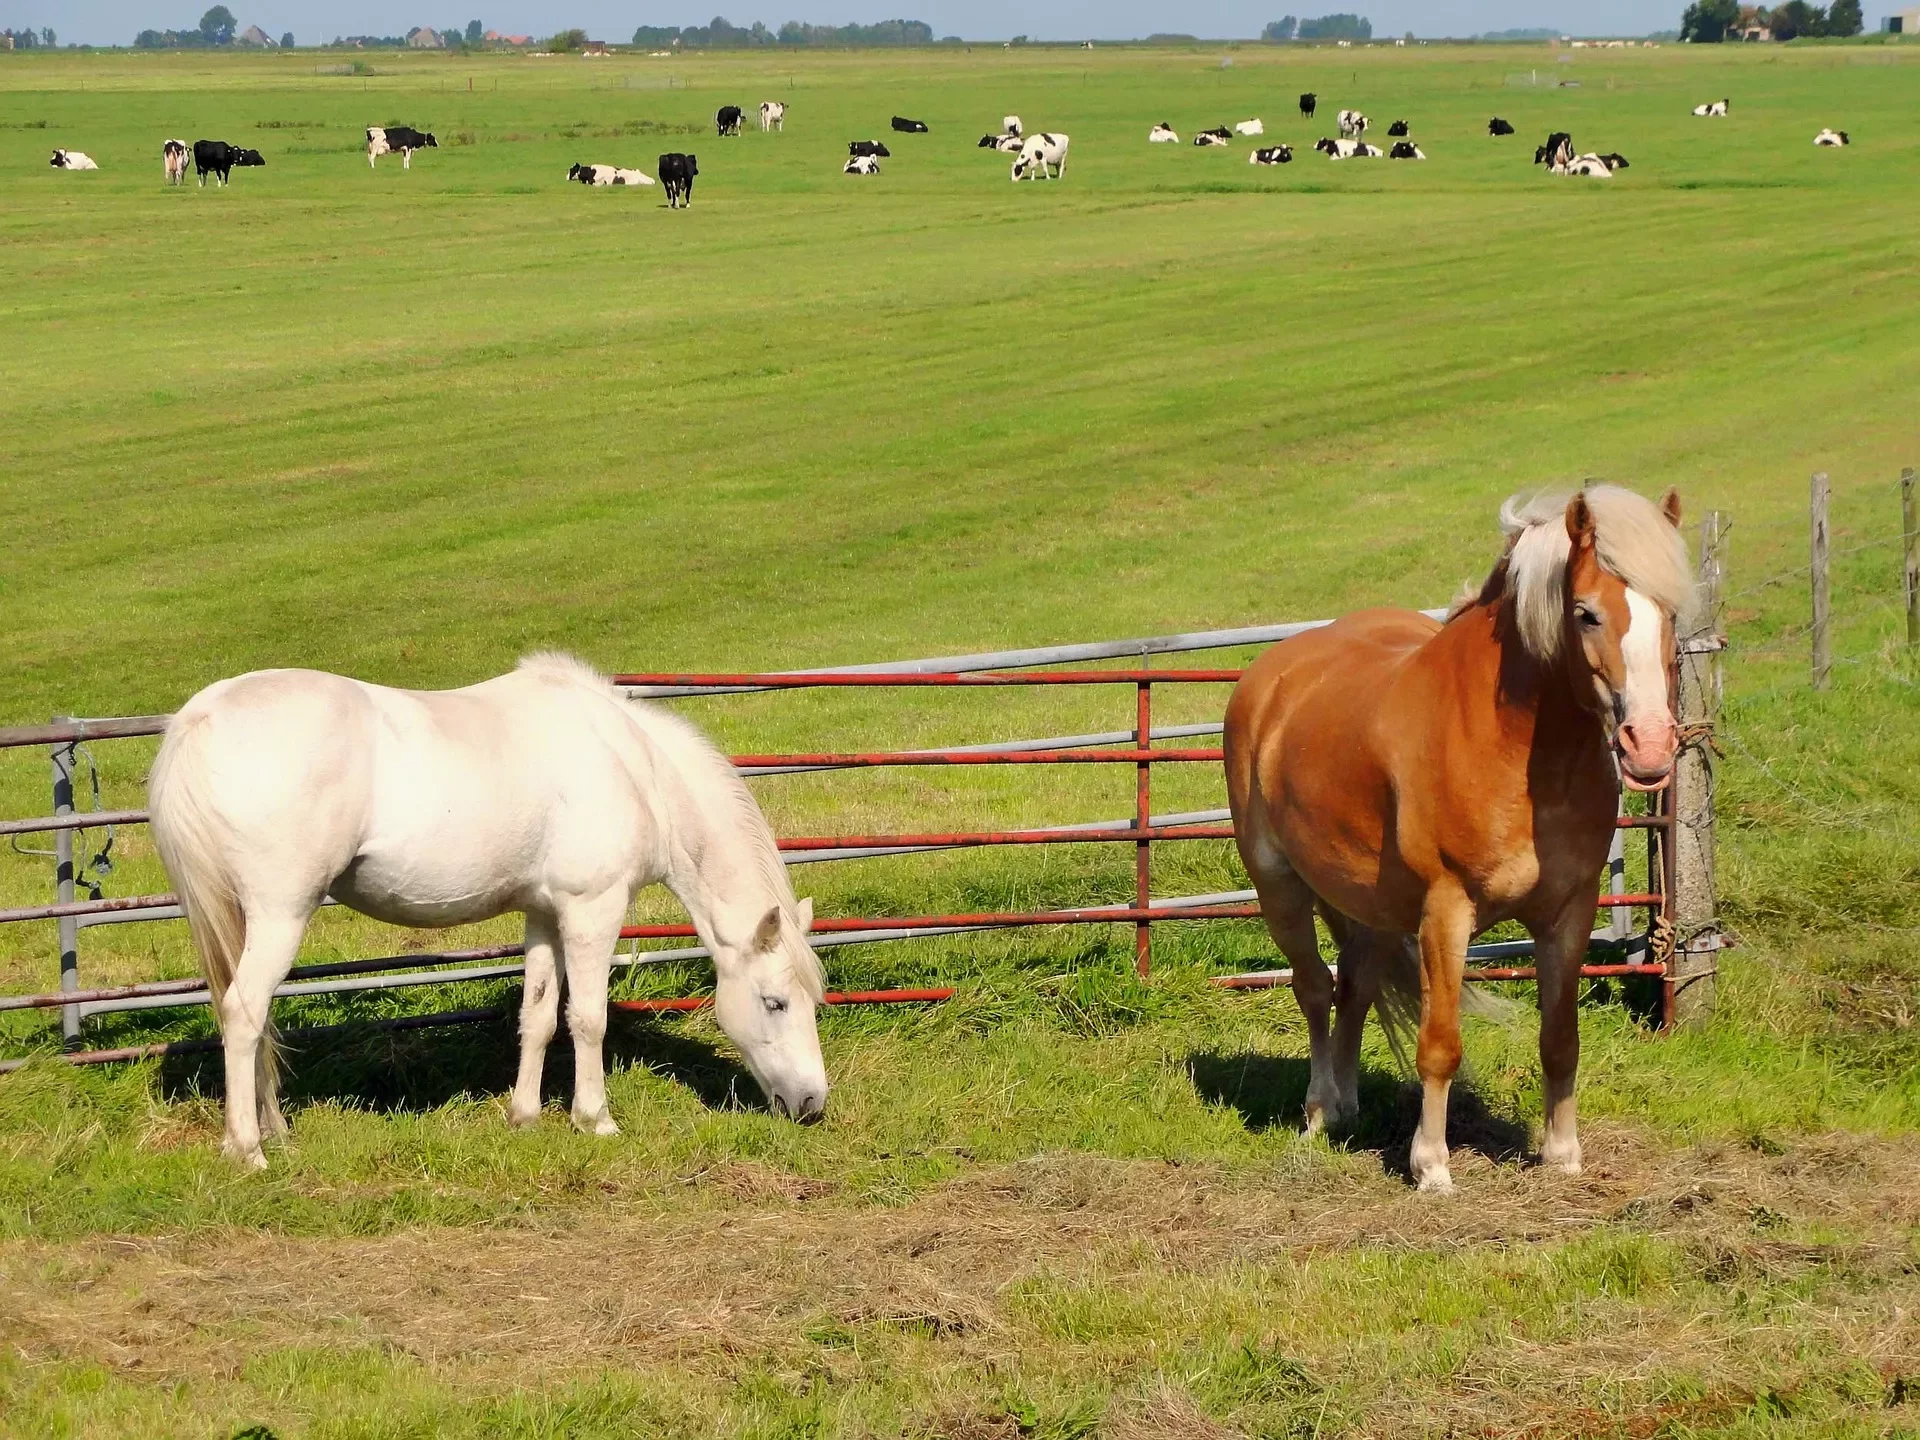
(63, 890)
(65, 731)
(79, 820)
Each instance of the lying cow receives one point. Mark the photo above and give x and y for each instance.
(1250, 127)
(1162, 134)
(870, 147)
(398, 140)
(1308, 103)
(861, 165)
(1011, 124)
(1406, 150)
(1496, 127)
(727, 120)
(1713, 109)
(608, 175)
(1009, 142)
(676, 173)
(1832, 138)
(1398, 127)
(1348, 149)
(773, 115)
(1591, 166)
(1219, 135)
(173, 155)
(219, 159)
(1038, 153)
(1613, 160)
(1272, 155)
(1352, 124)
(72, 160)
(909, 127)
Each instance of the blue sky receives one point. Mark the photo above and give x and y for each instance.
(117, 21)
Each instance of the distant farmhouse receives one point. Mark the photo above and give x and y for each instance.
(1902, 22)
(425, 38)
(254, 36)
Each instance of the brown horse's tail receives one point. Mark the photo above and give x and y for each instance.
(1397, 1005)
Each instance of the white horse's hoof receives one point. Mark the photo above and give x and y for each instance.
(601, 1124)
(523, 1117)
(1436, 1182)
(252, 1159)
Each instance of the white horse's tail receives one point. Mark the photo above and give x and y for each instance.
(185, 833)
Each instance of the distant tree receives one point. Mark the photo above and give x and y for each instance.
(217, 26)
(286, 41)
(1337, 27)
(1287, 27)
(48, 38)
(1795, 19)
(476, 32)
(1706, 22)
(1844, 18)
(566, 40)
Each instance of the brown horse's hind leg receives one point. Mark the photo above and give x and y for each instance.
(1286, 904)
(1445, 928)
(1364, 956)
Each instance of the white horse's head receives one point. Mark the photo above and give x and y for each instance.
(766, 985)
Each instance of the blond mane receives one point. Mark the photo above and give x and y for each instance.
(1631, 538)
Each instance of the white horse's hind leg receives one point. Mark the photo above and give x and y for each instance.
(272, 943)
(588, 930)
(539, 1016)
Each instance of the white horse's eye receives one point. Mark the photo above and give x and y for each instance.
(774, 1004)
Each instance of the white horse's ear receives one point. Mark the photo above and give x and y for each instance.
(806, 915)
(766, 935)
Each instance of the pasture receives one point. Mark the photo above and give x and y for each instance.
(412, 425)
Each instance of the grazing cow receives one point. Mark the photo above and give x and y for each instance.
(72, 160)
(1010, 142)
(217, 158)
(1250, 127)
(1348, 149)
(1011, 124)
(869, 147)
(1556, 152)
(1308, 103)
(1272, 155)
(1398, 127)
(909, 127)
(397, 140)
(1497, 127)
(861, 165)
(1162, 134)
(1406, 150)
(608, 175)
(1220, 135)
(174, 155)
(773, 115)
(1352, 124)
(676, 173)
(1038, 153)
(1832, 138)
(1713, 109)
(727, 121)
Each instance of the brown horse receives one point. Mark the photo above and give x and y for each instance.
(1418, 782)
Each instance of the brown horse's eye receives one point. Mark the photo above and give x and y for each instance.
(1587, 617)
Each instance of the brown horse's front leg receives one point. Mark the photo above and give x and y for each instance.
(1446, 926)
(1558, 951)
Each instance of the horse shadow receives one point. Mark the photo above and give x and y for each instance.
(416, 1071)
(1270, 1092)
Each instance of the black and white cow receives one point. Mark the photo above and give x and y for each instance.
(909, 127)
(398, 140)
(1713, 109)
(72, 160)
(1406, 150)
(608, 175)
(1556, 152)
(1592, 166)
(861, 165)
(1011, 125)
(1613, 160)
(217, 158)
(1009, 142)
(1348, 149)
(1352, 124)
(1162, 134)
(1272, 155)
(174, 155)
(727, 121)
(1496, 126)
(1219, 135)
(1398, 127)
(1038, 153)
(1833, 138)
(773, 115)
(1250, 127)
(1308, 103)
(858, 148)
(676, 173)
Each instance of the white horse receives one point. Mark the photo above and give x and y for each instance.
(543, 791)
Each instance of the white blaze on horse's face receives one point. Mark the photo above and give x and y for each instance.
(1627, 640)
(764, 1008)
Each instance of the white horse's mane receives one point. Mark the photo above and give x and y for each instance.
(686, 744)
(1631, 538)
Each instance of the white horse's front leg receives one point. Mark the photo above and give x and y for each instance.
(589, 930)
(272, 944)
(539, 1017)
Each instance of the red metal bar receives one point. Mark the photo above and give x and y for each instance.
(938, 679)
(990, 920)
(1273, 980)
(1142, 821)
(1197, 830)
(866, 759)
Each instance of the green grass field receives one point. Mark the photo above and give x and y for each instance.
(413, 425)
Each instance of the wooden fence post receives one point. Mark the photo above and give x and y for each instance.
(1692, 905)
(1822, 598)
(1910, 531)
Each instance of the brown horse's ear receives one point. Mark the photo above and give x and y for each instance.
(1670, 507)
(1580, 522)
